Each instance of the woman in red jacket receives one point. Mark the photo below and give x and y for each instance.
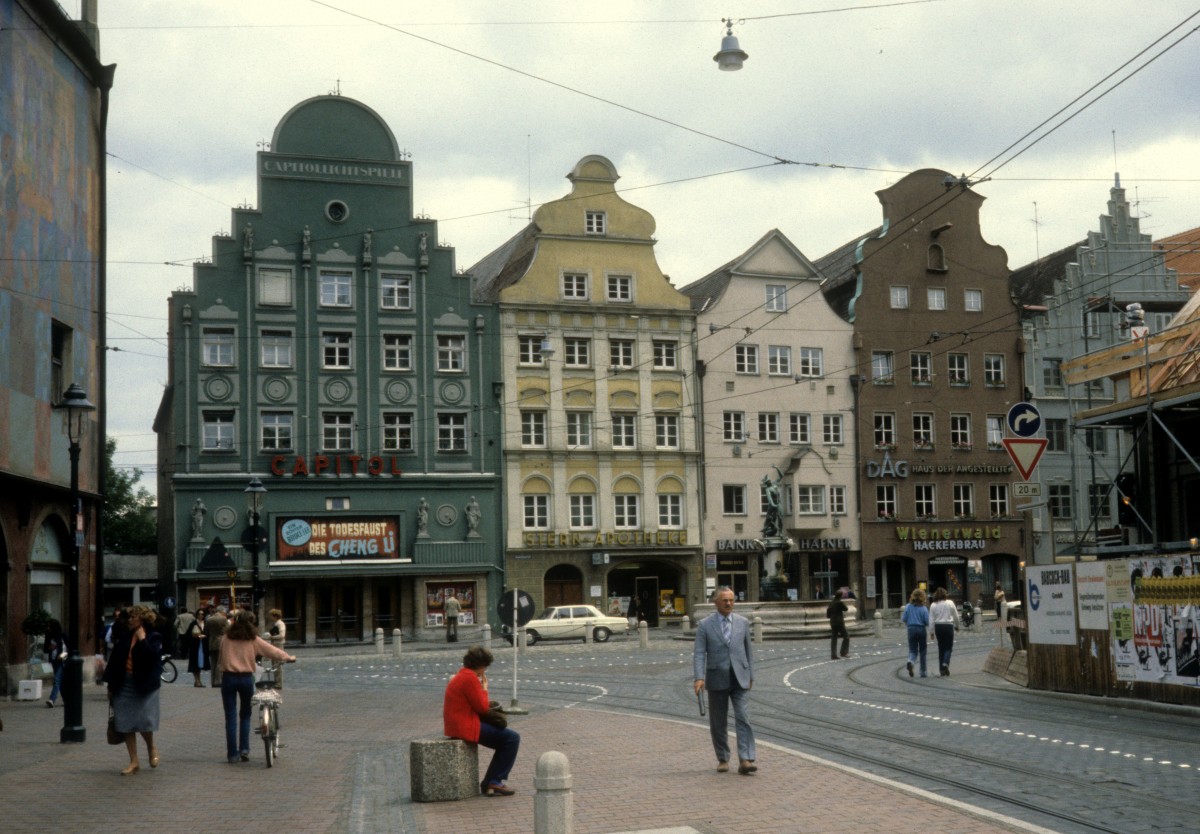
(466, 700)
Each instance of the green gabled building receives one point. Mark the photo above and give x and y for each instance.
(331, 350)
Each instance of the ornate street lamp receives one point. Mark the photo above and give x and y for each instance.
(74, 406)
(255, 538)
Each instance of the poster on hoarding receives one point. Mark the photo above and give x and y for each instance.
(1091, 592)
(337, 538)
(1160, 643)
(1050, 590)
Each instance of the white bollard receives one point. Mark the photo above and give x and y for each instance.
(587, 631)
(553, 804)
(379, 641)
(878, 625)
(758, 628)
(487, 635)
(687, 624)
(396, 642)
(643, 635)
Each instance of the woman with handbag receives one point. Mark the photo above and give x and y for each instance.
(133, 676)
(55, 647)
(467, 713)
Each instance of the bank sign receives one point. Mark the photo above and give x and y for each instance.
(337, 539)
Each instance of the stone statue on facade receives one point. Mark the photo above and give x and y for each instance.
(198, 512)
(473, 515)
(423, 519)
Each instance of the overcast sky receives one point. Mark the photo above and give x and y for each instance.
(497, 102)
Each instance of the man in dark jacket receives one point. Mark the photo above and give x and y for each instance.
(836, 612)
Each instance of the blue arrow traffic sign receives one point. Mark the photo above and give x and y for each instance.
(1024, 420)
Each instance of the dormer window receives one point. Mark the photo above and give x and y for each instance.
(594, 223)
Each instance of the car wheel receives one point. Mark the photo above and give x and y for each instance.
(601, 635)
(531, 638)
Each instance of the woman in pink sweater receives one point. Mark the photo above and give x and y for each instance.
(241, 647)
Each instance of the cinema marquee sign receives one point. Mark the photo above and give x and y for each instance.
(336, 465)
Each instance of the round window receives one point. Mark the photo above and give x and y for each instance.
(337, 211)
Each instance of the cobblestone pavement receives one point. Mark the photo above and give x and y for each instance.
(347, 718)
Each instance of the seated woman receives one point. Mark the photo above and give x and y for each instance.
(466, 701)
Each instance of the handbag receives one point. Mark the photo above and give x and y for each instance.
(494, 716)
(113, 736)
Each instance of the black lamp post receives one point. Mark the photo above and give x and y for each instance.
(255, 538)
(75, 407)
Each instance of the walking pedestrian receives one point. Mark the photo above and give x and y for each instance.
(723, 663)
(183, 625)
(214, 633)
(277, 631)
(134, 676)
(916, 616)
(943, 617)
(836, 612)
(1000, 600)
(55, 647)
(239, 650)
(197, 647)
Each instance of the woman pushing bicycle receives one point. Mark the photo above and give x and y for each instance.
(242, 645)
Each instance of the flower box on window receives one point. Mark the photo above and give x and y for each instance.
(965, 517)
(961, 447)
(885, 447)
(884, 380)
(887, 516)
(921, 379)
(995, 447)
(923, 445)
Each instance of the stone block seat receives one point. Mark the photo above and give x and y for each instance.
(442, 769)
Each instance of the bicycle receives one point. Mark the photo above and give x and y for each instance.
(269, 698)
(169, 672)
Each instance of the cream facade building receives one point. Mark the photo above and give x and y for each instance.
(600, 442)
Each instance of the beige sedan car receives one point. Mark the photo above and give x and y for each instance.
(570, 622)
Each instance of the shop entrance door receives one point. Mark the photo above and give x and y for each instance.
(647, 594)
(338, 611)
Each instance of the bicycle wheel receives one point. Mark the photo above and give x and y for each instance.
(169, 672)
(268, 743)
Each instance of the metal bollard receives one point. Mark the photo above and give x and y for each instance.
(553, 804)
(686, 622)
(643, 635)
(396, 642)
(587, 630)
(758, 628)
(379, 641)
(487, 635)
(878, 625)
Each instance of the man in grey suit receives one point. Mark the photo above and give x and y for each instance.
(723, 662)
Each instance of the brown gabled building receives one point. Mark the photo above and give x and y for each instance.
(938, 356)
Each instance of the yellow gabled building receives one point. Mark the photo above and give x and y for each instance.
(601, 472)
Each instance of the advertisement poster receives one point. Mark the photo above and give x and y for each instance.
(1051, 594)
(1164, 637)
(1124, 658)
(435, 598)
(1092, 595)
(337, 538)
